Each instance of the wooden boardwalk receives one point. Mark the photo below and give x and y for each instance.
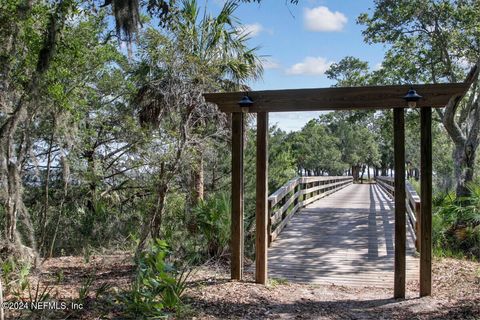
(346, 238)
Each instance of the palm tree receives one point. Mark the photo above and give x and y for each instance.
(127, 13)
(196, 53)
(218, 43)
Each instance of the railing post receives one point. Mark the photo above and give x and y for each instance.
(281, 203)
(295, 190)
(418, 217)
(269, 224)
(302, 187)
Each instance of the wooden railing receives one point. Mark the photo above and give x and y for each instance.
(412, 204)
(297, 193)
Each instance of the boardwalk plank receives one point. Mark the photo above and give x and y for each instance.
(346, 238)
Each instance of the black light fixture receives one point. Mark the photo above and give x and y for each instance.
(412, 97)
(245, 103)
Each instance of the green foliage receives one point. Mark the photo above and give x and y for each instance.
(14, 276)
(213, 223)
(92, 175)
(456, 223)
(281, 160)
(430, 41)
(349, 72)
(317, 150)
(274, 282)
(281, 168)
(158, 285)
(85, 288)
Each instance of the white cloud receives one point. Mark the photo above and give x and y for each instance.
(322, 19)
(269, 63)
(310, 66)
(252, 30)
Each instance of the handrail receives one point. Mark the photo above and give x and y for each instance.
(412, 204)
(297, 193)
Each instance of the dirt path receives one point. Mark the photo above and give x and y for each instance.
(456, 296)
(211, 295)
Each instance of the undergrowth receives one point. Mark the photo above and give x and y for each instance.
(456, 225)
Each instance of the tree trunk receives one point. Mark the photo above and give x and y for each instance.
(464, 162)
(363, 172)
(90, 156)
(214, 176)
(10, 164)
(152, 228)
(466, 138)
(198, 181)
(12, 203)
(156, 221)
(43, 217)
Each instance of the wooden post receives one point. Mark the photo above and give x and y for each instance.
(426, 202)
(295, 190)
(418, 215)
(236, 241)
(261, 214)
(400, 206)
(269, 224)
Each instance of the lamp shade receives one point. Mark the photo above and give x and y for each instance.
(246, 101)
(412, 97)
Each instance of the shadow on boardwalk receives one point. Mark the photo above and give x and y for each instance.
(345, 238)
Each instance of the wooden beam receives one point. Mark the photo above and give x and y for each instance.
(236, 241)
(426, 202)
(400, 209)
(339, 98)
(261, 210)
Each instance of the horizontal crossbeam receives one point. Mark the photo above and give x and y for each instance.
(339, 98)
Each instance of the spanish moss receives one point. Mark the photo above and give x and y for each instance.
(127, 18)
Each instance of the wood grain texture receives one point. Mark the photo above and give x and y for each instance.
(400, 206)
(346, 238)
(236, 241)
(261, 209)
(426, 202)
(370, 97)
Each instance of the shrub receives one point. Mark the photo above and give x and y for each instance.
(158, 285)
(456, 224)
(14, 276)
(213, 223)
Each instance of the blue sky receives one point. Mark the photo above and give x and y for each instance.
(300, 41)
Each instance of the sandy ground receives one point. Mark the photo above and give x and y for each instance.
(211, 295)
(456, 295)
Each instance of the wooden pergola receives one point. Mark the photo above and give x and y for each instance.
(343, 98)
